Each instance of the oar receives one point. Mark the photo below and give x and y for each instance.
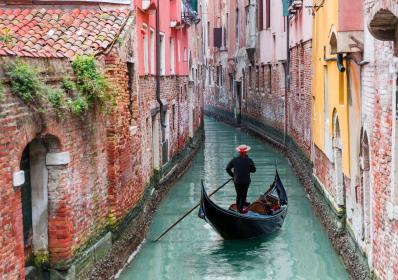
(186, 214)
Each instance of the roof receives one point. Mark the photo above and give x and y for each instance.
(56, 32)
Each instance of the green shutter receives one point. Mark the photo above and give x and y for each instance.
(194, 5)
(286, 8)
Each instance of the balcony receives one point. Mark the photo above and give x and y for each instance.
(295, 5)
(148, 4)
(189, 14)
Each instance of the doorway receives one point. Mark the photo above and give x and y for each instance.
(338, 164)
(34, 197)
(238, 102)
(155, 142)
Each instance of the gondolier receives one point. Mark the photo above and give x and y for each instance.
(242, 166)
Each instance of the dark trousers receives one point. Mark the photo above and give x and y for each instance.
(241, 194)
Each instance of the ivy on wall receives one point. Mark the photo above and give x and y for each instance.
(90, 88)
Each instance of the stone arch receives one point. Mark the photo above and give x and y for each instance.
(338, 161)
(383, 22)
(365, 187)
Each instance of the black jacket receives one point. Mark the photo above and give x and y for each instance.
(243, 166)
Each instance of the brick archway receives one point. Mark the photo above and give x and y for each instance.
(383, 22)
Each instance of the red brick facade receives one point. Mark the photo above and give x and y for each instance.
(299, 97)
(110, 155)
(74, 188)
(378, 120)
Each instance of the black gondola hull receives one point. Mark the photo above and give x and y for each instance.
(233, 225)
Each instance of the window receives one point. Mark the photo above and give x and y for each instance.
(250, 77)
(172, 66)
(263, 76)
(237, 27)
(162, 55)
(178, 50)
(132, 98)
(258, 77)
(173, 115)
(153, 63)
(145, 42)
(208, 33)
(260, 15)
(217, 37)
(226, 33)
(268, 15)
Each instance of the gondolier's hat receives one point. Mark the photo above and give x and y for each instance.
(243, 149)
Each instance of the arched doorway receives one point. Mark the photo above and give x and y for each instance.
(35, 199)
(338, 163)
(365, 186)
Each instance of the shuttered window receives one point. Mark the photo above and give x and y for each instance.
(217, 37)
(268, 11)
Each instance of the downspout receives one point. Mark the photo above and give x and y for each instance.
(287, 78)
(158, 67)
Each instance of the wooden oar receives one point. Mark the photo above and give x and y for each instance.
(189, 212)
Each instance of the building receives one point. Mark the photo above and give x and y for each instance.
(170, 116)
(337, 60)
(299, 97)
(81, 145)
(378, 141)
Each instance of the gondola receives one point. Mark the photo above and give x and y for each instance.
(231, 224)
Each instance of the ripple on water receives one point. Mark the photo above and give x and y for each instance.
(193, 250)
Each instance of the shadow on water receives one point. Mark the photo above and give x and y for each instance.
(239, 254)
(241, 249)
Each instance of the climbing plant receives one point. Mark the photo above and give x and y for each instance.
(91, 83)
(57, 99)
(76, 97)
(25, 81)
(78, 105)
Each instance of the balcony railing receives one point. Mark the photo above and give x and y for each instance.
(295, 5)
(189, 15)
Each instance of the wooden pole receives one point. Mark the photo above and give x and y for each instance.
(189, 212)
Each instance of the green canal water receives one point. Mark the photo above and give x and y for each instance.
(192, 250)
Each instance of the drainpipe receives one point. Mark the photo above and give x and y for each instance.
(340, 64)
(158, 66)
(287, 78)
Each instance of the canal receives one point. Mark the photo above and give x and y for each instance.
(192, 250)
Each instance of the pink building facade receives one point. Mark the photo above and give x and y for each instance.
(173, 38)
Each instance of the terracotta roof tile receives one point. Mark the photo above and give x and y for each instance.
(41, 32)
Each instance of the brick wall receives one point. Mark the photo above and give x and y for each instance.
(110, 161)
(174, 97)
(77, 204)
(126, 183)
(265, 90)
(324, 170)
(378, 89)
(299, 97)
